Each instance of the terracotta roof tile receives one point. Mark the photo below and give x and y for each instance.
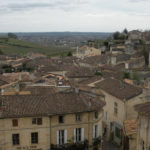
(119, 89)
(31, 105)
(130, 126)
(143, 108)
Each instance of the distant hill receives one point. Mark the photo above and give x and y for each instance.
(69, 39)
(14, 46)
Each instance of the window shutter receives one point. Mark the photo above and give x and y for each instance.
(74, 135)
(82, 134)
(93, 131)
(65, 136)
(57, 137)
(98, 126)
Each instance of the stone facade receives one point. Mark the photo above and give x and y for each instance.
(47, 131)
(86, 51)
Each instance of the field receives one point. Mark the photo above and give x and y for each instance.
(13, 46)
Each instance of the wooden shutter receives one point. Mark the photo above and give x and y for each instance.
(82, 134)
(98, 126)
(57, 136)
(74, 135)
(65, 136)
(93, 131)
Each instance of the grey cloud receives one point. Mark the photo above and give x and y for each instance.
(135, 1)
(61, 4)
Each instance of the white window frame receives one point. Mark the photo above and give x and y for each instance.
(61, 139)
(78, 135)
(96, 131)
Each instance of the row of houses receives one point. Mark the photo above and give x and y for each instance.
(74, 102)
(50, 118)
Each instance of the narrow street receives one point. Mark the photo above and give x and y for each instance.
(109, 146)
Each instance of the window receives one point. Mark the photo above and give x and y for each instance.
(78, 117)
(78, 134)
(61, 119)
(34, 138)
(95, 131)
(115, 109)
(15, 122)
(143, 145)
(37, 121)
(34, 120)
(96, 115)
(15, 139)
(61, 137)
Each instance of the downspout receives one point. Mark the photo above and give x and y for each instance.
(88, 127)
(50, 130)
(147, 135)
(138, 133)
(125, 118)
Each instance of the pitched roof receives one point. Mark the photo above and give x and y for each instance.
(54, 104)
(80, 72)
(90, 80)
(40, 90)
(2, 82)
(130, 126)
(96, 60)
(119, 89)
(143, 108)
(117, 67)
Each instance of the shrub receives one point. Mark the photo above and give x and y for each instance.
(71, 146)
(126, 75)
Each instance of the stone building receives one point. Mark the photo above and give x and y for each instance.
(119, 58)
(143, 126)
(37, 122)
(86, 51)
(135, 63)
(120, 99)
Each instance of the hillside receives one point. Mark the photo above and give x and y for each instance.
(13, 46)
(56, 39)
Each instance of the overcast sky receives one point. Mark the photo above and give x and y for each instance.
(73, 15)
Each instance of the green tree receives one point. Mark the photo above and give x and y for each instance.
(116, 35)
(126, 75)
(97, 73)
(12, 35)
(125, 31)
(144, 51)
(1, 53)
(69, 54)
